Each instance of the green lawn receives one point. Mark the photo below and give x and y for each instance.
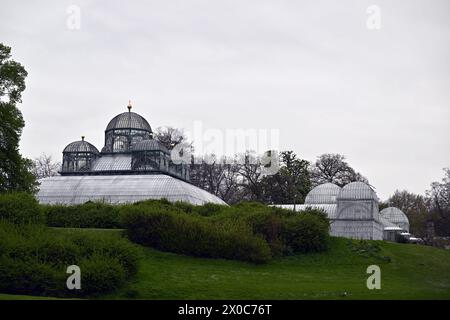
(414, 272)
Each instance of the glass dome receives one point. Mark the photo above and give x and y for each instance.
(80, 146)
(323, 194)
(78, 156)
(357, 191)
(124, 130)
(129, 120)
(396, 216)
(116, 189)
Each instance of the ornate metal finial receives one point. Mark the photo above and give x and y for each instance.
(82, 138)
(129, 105)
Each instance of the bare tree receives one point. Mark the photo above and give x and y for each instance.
(333, 168)
(230, 189)
(44, 166)
(439, 196)
(170, 137)
(251, 171)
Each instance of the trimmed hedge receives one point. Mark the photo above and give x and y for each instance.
(87, 215)
(20, 208)
(34, 260)
(247, 231)
(192, 235)
(287, 232)
(99, 214)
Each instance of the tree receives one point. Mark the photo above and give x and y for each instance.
(291, 183)
(15, 171)
(333, 168)
(439, 196)
(170, 137)
(218, 176)
(416, 208)
(44, 166)
(251, 170)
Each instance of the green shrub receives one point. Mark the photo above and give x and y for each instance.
(209, 209)
(34, 259)
(209, 230)
(100, 273)
(192, 235)
(305, 232)
(20, 208)
(87, 215)
(30, 277)
(285, 231)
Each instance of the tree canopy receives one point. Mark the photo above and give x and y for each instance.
(331, 167)
(15, 174)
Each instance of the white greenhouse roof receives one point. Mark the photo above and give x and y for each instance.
(394, 215)
(117, 189)
(387, 224)
(357, 191)
(323, 194)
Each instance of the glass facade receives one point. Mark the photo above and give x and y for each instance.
(118, 189)
(132, 166)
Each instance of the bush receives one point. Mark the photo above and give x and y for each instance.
(243, 231)
(20, 208)
(285, 231)
(305, 232)
(34, 259)
(87, 215)
(192, 235)
(101, 273)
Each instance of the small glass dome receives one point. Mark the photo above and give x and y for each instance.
(323, 194)
(396, 216)
(78, 156)
(357, 191)
(81, 146)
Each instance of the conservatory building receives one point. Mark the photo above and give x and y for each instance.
(353, 212)
(131, 166)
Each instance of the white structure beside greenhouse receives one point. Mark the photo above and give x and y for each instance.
(353, 212)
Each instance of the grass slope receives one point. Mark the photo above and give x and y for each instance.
(414, 272)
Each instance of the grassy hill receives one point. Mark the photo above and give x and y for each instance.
(407, 272)
(413, 272)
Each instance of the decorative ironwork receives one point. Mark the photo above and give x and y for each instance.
(129, 149)
(78, 156)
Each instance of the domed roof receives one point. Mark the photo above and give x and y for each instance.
(81, 146)
(323, 194)
(357, 191)
(117, 189)
(149, 145)
(129, 120)
(394, 215)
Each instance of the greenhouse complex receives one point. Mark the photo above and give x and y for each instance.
(353, 212)
(132, 166)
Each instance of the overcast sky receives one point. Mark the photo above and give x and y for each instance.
(311, 69)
